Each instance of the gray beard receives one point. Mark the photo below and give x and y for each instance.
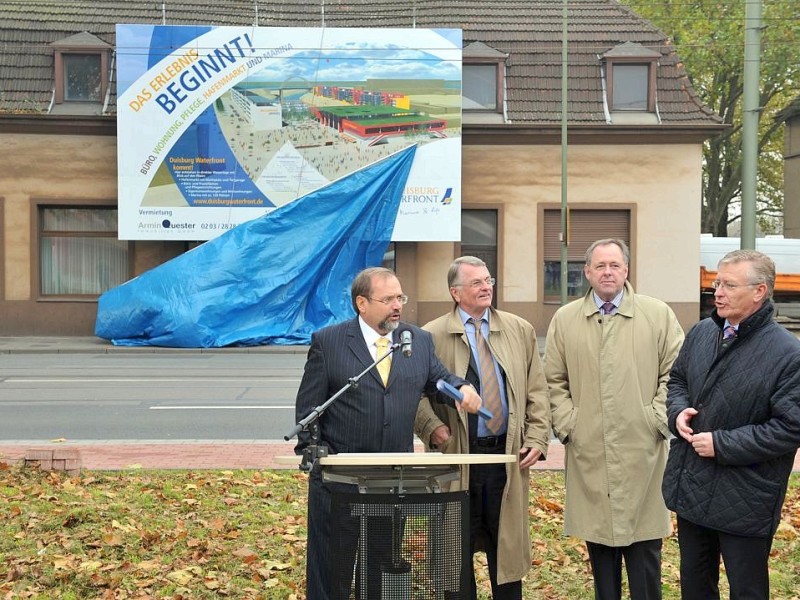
(388, 325)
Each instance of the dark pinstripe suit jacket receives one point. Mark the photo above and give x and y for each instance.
(369, 418)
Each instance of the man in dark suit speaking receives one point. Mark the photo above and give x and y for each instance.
(375, 416)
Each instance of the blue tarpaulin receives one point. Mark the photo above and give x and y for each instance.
(272, 280)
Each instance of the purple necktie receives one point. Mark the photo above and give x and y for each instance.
(729, 332)
(607, 308)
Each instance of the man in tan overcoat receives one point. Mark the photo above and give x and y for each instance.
(498, 492)
(607, 361)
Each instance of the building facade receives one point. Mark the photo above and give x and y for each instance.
(791, 171)
(634, 158)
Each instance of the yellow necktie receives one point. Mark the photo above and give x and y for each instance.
(383, 367)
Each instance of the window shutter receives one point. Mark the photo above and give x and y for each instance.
(585, 227)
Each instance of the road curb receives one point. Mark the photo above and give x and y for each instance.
(95, 345)
(110, 455)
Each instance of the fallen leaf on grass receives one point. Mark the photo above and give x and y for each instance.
(549, 504)
(184, 576)
(247, 555)
(212, 583)
(62, 563)
(113, 539)
(272, 565)
(127, 528)
(90, 565)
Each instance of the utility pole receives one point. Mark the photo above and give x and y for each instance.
(564, 207)
(751, 110)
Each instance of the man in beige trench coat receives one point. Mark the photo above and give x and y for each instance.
(498, 492)
(607, 361)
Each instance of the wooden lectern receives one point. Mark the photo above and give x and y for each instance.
(402, 472)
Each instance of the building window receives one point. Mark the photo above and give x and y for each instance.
(630, 73)
(483, 74)
(79, 253)
(81, 69)
(480, 87)
(83, 78)
(630, 87)
(479, 238)
(585, 227)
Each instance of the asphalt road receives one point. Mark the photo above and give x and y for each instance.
(139, 396)
(233, 405)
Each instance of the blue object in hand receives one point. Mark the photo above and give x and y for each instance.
(456, 395)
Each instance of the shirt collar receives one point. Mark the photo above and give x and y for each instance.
(616, 301)
(466, 317)
(370, 335)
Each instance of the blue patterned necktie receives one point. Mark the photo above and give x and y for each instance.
(490, 387)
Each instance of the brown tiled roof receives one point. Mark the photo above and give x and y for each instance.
(528, 31)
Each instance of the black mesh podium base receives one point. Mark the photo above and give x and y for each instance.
(400, 547)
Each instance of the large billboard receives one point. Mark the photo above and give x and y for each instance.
(220, 125)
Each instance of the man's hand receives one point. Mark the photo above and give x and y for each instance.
(682, 422)
(439, 436)
(703, 444)
(472, 401)
(528, 457)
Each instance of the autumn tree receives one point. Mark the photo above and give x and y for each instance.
(709, 37)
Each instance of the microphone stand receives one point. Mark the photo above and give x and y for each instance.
(315, 450)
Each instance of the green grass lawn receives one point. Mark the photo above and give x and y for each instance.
(241, 534)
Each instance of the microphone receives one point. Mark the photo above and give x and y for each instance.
(405, 342)
(456, 395)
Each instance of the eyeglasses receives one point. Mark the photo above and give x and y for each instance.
(729, 287)
(402, 299)
(477, 283)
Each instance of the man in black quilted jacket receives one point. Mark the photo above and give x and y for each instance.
(733, 404)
